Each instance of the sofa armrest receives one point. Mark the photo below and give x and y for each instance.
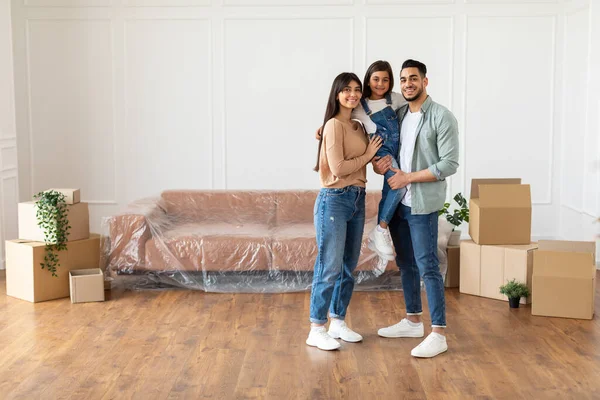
(128, 233)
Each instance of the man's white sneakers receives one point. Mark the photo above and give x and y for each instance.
(404, 328)
(433, 345)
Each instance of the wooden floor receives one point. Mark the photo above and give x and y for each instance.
(187, 344)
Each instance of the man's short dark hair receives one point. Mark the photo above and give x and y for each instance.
(416, 64)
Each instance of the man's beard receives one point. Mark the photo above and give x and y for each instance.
(414, 96)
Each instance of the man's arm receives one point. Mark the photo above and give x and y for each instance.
(447, 144)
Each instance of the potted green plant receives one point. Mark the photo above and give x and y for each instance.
(51, 215)
(456, 217)
(514, 291)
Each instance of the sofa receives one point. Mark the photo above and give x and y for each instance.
(223, 232)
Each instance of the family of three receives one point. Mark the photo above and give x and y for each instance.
(413, 142)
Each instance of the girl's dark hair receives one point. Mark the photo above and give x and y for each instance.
(333, 105)
(378, 66)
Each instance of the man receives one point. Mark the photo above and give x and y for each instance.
(428, 155)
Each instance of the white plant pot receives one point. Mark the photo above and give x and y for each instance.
(454, 238)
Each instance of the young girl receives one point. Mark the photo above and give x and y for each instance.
(378, 114)
(339, 212)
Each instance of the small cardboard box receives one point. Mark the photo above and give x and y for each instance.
(564, 279)
(500, 212)
(72, 196)
(77, 214)
(453, 272)
(485, 268)
(86, 285)
(25, 278)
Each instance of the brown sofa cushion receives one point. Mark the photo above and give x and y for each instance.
(211, 247)
(294, 247)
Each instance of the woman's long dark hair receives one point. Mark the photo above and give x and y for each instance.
(378, 66)
(333, 105)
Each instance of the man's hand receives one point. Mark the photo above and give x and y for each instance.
(399, 180)
(382, 165)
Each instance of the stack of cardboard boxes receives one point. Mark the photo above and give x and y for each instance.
(560, 275)
(25, 278)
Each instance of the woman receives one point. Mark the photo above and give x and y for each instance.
(339, 212)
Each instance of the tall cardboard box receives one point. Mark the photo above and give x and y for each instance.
(25, 278)
(500, 212)
(453, 272)
(77, 214)
(485, 268)
(564, 279)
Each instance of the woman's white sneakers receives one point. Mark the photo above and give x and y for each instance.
(318, 337)
(339, 330)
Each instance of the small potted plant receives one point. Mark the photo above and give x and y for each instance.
(456, 218)
(514, 291)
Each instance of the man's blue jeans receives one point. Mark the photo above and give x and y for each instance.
(415, 240)
(339, 216)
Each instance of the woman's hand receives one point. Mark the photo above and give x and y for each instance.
(374, 144)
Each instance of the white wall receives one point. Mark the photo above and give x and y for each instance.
(580, 139)
(125, 98)
(8, 134)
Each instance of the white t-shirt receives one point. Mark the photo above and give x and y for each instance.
(408, 137)
(376, 106)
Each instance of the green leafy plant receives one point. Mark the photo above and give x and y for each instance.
(51, 215)
(514, 289)
(458, 215)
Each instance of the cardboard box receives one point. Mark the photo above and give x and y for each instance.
(564, 279)
(25, 278)
(453, 272)
(72, 196)
(485, 268)
(77, 214)
(86, 285)
(500, 212)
